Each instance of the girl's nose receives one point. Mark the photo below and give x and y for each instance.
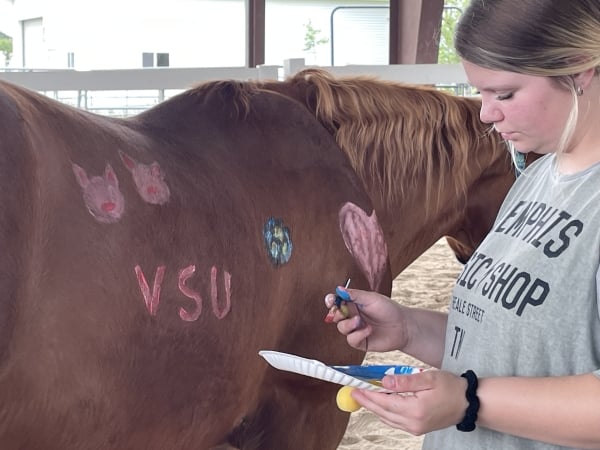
(489, 113)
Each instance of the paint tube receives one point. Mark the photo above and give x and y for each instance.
(376, 372)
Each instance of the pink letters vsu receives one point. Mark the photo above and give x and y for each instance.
(152, 296)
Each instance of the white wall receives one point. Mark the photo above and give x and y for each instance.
(110, 34)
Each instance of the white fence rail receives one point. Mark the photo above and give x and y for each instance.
(439, 74)
(131, 79)
(126, 92)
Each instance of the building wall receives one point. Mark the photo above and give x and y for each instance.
(112, 34)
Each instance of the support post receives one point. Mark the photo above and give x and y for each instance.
(255, 25)
(415, 27)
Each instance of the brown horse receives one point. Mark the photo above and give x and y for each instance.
(430, 166)
(146, 261)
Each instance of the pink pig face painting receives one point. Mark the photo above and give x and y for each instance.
(101, 194)
(148, 179)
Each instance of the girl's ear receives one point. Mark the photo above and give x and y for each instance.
(583, 79)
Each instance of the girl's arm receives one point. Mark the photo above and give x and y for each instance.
(559, 410)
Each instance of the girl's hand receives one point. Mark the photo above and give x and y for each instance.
(369, 320)
(423, 402)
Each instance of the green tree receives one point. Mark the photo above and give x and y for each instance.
(6, 48)
(311, 38)
(452, 11)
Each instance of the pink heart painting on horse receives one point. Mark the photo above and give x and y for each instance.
(146, 261)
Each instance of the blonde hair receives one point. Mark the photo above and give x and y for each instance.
(551, 38)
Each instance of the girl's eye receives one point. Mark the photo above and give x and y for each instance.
(504, 96)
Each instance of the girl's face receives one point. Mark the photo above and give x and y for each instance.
(530, 111)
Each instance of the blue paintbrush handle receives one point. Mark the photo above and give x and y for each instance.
(341, 296)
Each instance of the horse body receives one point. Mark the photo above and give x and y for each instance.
(146, 261)
(134, 323)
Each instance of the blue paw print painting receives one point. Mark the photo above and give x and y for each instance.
(278, 241)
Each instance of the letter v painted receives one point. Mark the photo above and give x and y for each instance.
(152, 299)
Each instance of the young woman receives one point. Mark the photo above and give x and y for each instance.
(519, 350)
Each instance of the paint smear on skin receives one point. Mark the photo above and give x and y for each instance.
(364, 240)
(217, 311)
(101, 194)
(184, 275)
(149, 180)
(151, 298)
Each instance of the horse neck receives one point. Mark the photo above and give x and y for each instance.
(411, 228)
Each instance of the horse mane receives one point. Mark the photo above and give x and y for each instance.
(397, 135)
(233, 94)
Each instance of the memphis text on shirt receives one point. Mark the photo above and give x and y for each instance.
(545, 228)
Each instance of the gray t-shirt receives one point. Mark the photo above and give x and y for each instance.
(526, 303)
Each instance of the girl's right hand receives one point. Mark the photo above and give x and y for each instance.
(374, 322)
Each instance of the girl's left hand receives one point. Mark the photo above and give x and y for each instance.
(422, 402)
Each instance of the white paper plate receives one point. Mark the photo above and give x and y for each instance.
(315, 369)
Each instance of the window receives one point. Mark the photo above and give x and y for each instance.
(147, 59)
(162, 60)
(150, 59)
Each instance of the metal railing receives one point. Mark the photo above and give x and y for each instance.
(127, 92)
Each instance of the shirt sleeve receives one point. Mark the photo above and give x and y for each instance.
(597, 372)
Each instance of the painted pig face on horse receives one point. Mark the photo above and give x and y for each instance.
(146, 261)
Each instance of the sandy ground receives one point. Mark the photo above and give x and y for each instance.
(426, 283)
